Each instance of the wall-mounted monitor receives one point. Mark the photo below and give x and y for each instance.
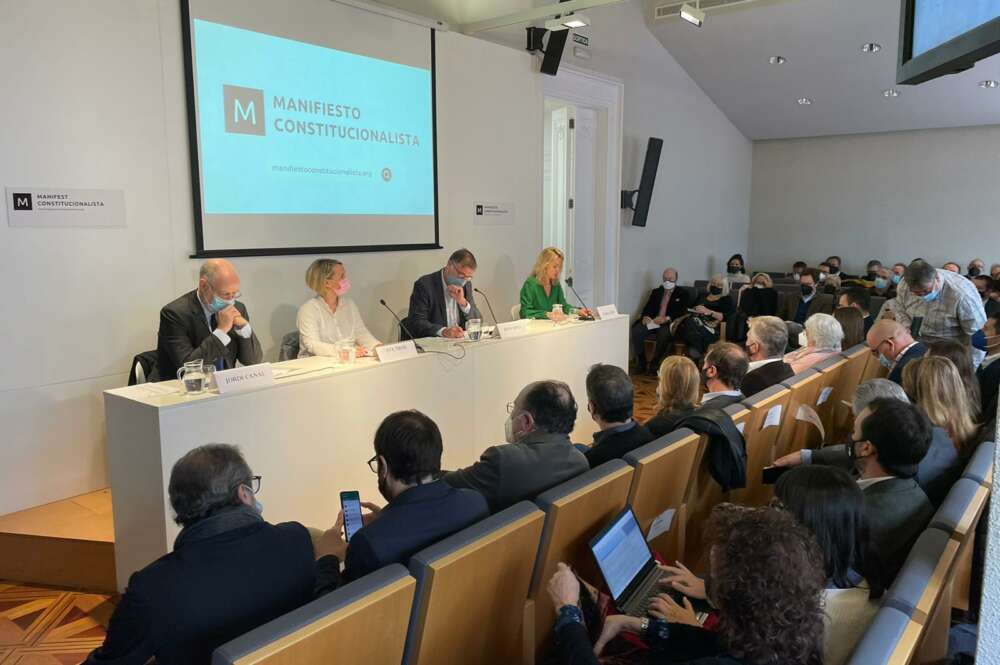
(940, 37)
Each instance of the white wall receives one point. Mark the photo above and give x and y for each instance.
(99, 102)
(892, 197)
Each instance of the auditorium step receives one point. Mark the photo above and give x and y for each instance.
(68, 544)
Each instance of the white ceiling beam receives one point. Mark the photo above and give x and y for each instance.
(529, 15)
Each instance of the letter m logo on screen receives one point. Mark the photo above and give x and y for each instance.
(244, 110)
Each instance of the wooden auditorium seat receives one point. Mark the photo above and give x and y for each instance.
(797, 433)
(843, 392)
(763, 426)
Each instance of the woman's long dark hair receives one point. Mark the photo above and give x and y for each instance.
(828, 502)
(767, 581)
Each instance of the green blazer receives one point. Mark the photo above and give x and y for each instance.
(535, 304)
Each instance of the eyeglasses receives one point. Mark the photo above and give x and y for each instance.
(510, 407)
(254, 484)
(875, 349)
(373, 463)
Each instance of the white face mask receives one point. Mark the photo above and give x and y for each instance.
(669, 285)
(803, 340)
(759, 286)
(822, 276)
(258, 506)
(508, 429)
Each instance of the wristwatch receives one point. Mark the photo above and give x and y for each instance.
(644, 625)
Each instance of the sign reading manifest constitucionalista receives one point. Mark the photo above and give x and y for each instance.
(28, 206)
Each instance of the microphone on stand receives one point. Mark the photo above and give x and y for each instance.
(401, 324)
(487, 304)
(569, 283)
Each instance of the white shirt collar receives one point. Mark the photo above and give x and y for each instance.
(755, 364)
(721, 393)
(865, 483)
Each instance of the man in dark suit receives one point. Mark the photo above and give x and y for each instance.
(538, 454)
(230, 571)
(860, 299)
(767, 340)
(610, 397)
(936, 472)
(442, 301)
(894, 346)
(207, 324)
(800, 307)
(666, 303)
(722, 370)
(422, 509)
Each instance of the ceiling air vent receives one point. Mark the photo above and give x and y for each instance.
(672, 9)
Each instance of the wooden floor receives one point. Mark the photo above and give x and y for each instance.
(645, 397)
(43, 625)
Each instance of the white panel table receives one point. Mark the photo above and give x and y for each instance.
(310, 434)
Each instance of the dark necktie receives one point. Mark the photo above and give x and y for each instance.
(220, 362)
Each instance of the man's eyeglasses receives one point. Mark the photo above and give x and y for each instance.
(373, 464)
(875, 349)
(254, 484)
(510, 407)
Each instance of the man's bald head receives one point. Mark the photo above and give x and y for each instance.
(888, 338)
(220, 277)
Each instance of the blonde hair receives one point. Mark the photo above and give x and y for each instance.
(833, 281)
(318, 272)
(725, 283)
(546, 258)
(934, 384)
(764, 277)
(680, 383)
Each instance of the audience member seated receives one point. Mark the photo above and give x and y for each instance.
(936, 472)
(889, 441)
(976, 268)
(823, 337)
(666, 304)
(995, 271)
(959, 355)
(422, 509)
(736, 270)
(701, 328)
(894, 346)
(898, 270)
(442, 301)
(538, 454)
(834, 263)
(983, 284)
(610, 395)
(828, 502)
(934, 384)
(824, 271)
(831, 285)
(677, 394)
(861, 300)
(993, 303)
(852, 322)
(229, 572)
(941, 303)
(988, 377)
(883, 285)
(951, 266)
(799, 308)
(766, 344)
(207, 324)
(871, 273)
(723, 370)
(759, 297)
(797, 269)
(331, 317)
(543, 290)
(765, 614)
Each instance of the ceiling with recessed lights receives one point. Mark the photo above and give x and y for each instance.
(821, 42)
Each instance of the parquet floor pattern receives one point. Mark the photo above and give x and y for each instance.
(48, 626)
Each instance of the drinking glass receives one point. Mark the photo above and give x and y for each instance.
(346, 351)
(474, 329)
(192, 375)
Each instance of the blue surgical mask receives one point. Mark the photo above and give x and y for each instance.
(881, 283)
(896, 279)
(884, 362)
(456, 281)
(931, 297)
(218, 304)
(258, 506)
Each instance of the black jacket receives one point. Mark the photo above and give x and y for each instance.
(759, 302)
(668, 643)
(898, 511)
(611, 445)
(417, 518)
(511, 472)
(429, 310)
(726, 455)
(208, 591)
(184, 336)
(766, 376)
(665, 423)
(676, 308)
(821, 303)
(918, 350)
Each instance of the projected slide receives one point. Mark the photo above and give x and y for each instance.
(315, 128)
(937, 21)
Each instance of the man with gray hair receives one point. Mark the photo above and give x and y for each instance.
(229, 572)
(938, 304)
(767, 340)
(207, 324)
(937, 471)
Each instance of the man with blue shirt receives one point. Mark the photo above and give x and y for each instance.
(938, 304)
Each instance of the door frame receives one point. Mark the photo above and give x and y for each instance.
(606, 94)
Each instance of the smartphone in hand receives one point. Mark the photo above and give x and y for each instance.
(350, 503)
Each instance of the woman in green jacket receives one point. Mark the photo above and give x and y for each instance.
(542, 289)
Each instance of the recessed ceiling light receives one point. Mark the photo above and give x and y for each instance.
(890, 93)
(871, 47)
(776, 60)
(805, 101)
(989, 83)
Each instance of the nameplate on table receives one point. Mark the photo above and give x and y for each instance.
(390, 353)
(607, 312)
(241, 379)
(509, 329)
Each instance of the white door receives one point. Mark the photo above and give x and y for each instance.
(582, 266)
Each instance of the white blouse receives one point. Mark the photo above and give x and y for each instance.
(320, 329)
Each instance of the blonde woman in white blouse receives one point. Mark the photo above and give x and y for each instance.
(330, 317)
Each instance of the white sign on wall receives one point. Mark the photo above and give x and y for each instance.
(496, 214)
(48, 207)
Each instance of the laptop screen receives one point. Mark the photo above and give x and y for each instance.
(621, 552)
